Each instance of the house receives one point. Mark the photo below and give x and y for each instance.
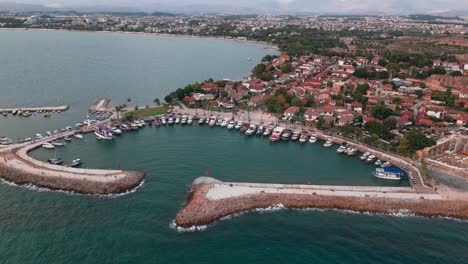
(298, 91)
(203, 97)
(257, 100)
(327, 110)
(292, 111)
(210, 87)
(258, 88)
(311, 114)
(403, 121)
(345, 119)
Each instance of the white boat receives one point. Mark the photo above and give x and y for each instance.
(341, 149)
(252, 129)
(49, 133)
(389, 173)
(183, 120)
(39, 136)
(231, 124)
(312, 139)
(352, 152)
(238, 125)
(58, 143)
(189, 120)
(378, 162)
(177, 120)
(276, 134)
(386, 165)
(75, 163)
(48, 145)
(78, 136)
(224, 123)
(103, 133)
(116, 130)
(201, 121)
(67, 139)
(364, 156)
(267, 132)
(371, 158)
(212, 121)
(328, 143)
(219, 121)
(163, 120)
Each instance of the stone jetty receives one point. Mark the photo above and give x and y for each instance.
(16, 166)
(36, 109)
(101, 105)
(210, 200)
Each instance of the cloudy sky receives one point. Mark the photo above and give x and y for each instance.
(334, 6)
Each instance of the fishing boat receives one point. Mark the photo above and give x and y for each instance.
(378, 162)
(364, 156)
(189, 120)
(75, 163)
(224, 123)
(78, 135)
(251, 130)
(286, 134)
(55, 161)
(260, 130)
(328, 143)
(352, 152)
(103, 132)
(231, 124)
(389, 174)
(276, 134)
(304, 137)
(341, 149)
(295, 135)
(312, 139)
(267, 132)
(58, 142)
(48, 145)
(371, 158)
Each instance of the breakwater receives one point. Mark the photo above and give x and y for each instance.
(210, 200)
(36, 109)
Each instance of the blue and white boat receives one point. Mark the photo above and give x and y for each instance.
(389, 174)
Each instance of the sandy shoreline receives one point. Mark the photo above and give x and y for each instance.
(202, 210)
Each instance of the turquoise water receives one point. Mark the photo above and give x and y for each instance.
(38, 226)
(41, 68)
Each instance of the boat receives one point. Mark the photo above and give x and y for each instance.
(189, 120)
(201, 121)
(224, 123)
(231, 124)
(69, 128)
(157, 121)
(364, 156)
(276, 134)
(386, 165)
(5, 113)
(219, 122)
(103, 132)
(370, 158)
(295, 135)
(55, 161)
(389, 174)
(46, 114)
(212, 121)
(177, 120)
(328, 143)
(341, 149)
(304, 137)
(58, 142)
(39, 136)
(238, 125)
(134, 126)
(244, 128)
(378, 162)
(352, 152)
(116, 130)
(286, 134)
(267, 132)
(49, 133)
(251, 130)
(48, 145)
(26, 114)
(183, 120)
(170, 120)
(75, 163)
(78, 135)
(67, 139)
(14, 112)
(163, 121)
(260, 130)
(312, 139)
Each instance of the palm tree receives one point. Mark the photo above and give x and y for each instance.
(119, 109)
(156, 101)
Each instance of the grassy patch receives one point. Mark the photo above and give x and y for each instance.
(146, 112)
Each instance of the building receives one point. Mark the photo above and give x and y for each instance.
(292, 111)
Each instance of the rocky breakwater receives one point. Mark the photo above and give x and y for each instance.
(16, 166)
(210, 200)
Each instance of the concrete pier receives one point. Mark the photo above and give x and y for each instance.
(101, 105)
(37, 109)
(210, 200)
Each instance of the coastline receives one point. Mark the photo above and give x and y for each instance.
(202, 208)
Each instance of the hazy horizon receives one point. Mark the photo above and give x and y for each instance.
(259, 6)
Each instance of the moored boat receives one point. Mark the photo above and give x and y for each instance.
(80, 136)
(267, 132)
(378, 162)
(312, 139)
(231, 124)
(276, 134)
(328, 143)
(48, 145)
(224, 123)
(103, 132)
(58, 142)
(75, 163)
(352, 152)
(295, 135)
(389, 174)
(341, 149)
(364, 156)
(304, 137)
(55, 161)
(286, 134)
(251, 130)
(370, 158)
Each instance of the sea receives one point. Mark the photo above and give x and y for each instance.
(42, 226)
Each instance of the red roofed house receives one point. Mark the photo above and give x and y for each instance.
(292, 111)
(311, 114)
(210, 87)
(345, 119)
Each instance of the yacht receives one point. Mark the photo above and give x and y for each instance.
(295, 135)
(286, 134)
(267, 132)
(80, 136)
(238, 125)
(75, 163)
(224, 123)
(260, 130)
(102, 132)
(163, 120)
(201, 121)
(219, 121)
(183, 120)
(364, 156)
(116, 131)
(389, 173)
(341, 149)
(386, 165)
(189, 120)
(48, 145)
(58, 142)
(352, 152)
(177, 120)
(370, 158)
(55, 161)
(312, 139)
(67, 139)
(252, 129)
(231, 124)
(212, 121)
(276, 133)
(304, 137)
(378, 162)
(244, 128)
(328, 143)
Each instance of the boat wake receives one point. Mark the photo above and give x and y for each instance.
(44, 189)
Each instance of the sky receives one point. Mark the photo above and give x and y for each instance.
(328, 6)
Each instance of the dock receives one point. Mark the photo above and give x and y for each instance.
(101, 105)
(210, 200)
(60, 108)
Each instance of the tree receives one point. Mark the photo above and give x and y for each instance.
(383, 62)
(296, 101)
(156, 101)
(420, 94)
(456, 74)
(374, 127)
(422, 85)
(258, 70)
(397, 100)
(381, 112)
(413, 141)
(389, 123)
(286, 68)
(118, 109)
(224, 94)
(330, 84)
